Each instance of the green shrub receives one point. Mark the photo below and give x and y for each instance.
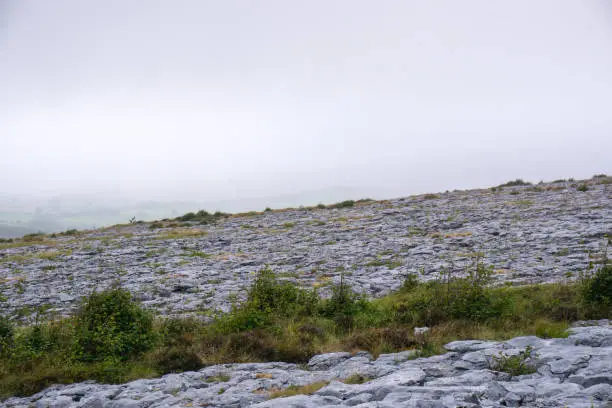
(343, 204)
(411, 281)
(343, 305)
(381, 340)
(269, 295)
(177, 359)
(268, 300)
(513, 183)
(6, 334)
(597, 287)
(110, 325)
(514, 365)
(431, 197)
(202, 216)
(582, 187)
(448, 298)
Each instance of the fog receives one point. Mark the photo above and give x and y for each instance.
(206, 101)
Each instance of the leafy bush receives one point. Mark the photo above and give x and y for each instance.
(410, 282)
(343, 204)
(177, 359)
(449, 298)
(267, 300)
(343, 305)
(202, 216)
(582, 187)
(110, 325)
(6, 334)
(514, 183)
(269, 295)
(597, 287)
(381, 340)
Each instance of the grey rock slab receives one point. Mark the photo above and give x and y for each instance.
(326, 361)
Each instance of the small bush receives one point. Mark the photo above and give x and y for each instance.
(411, 281)
(381, 340)
(582, 187)
(177, 359)
(343, 204)
(202, 216)
(514, 365)
(110, 325)
(36, 237)
(343, 305)
(6, 334)
(597, 288)
(514, 183)
(267, 300)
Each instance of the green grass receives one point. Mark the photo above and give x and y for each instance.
(279, 321)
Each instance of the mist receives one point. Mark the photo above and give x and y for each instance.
(224, 102)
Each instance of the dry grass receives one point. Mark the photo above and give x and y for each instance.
(182, 233)
(263, 376)
(292, 390)
(458, 234)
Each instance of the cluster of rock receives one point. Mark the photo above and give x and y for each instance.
(530, 234)
(571, 372)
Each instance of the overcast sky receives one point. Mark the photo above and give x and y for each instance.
(217, 99)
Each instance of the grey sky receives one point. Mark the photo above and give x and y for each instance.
(218, 99)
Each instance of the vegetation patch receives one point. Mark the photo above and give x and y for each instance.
(112, 338)
(298, 390)
(515, 365)
(182, 233)
(515, 183)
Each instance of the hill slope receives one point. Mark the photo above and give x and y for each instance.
(530, 234)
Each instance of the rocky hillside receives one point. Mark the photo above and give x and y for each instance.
(531, 234)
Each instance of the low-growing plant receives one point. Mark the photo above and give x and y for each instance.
(515, 365)
(597, 286)
(202, 217)
(6, 334)
(343, 204)
(343, 305)
(549, 330)
(356, 379)
(514, 183)
(298, 390)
